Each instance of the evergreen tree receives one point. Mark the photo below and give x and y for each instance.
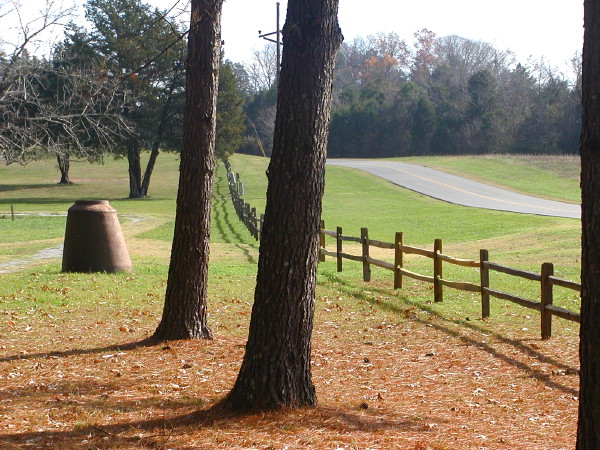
(146, 50)
(588, 426)
(230, 115)
(276, 371)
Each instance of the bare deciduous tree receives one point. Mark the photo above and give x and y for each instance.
(28, 33)
(47, 107)
(47, 110)
(262, 70)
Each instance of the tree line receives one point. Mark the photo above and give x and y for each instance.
(440, 95)
(116, 87)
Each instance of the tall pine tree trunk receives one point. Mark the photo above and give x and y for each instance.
(276, 368)
(184, 313)
(588, 432)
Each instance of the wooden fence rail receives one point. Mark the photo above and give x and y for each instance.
(546, 276)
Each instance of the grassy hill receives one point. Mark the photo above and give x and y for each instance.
(352, 200)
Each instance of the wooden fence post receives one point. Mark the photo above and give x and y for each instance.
(322, 241)
(398, 260)
(546, 299)
(484, 276)
(338, 248)
(247, 215)
(438, 294)
(12, 212)
(364, 239)
(254, 224)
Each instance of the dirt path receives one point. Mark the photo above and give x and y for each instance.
(17, 265)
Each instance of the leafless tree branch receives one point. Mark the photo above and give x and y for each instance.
(47, 110)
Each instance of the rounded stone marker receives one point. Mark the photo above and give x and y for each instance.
(94, 241)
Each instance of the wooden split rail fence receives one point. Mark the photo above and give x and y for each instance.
(546, 277)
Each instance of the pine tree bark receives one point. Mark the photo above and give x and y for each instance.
(588, 430)
(276, 368)
(184, 313)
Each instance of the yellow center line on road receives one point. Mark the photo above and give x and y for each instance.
(431, 180)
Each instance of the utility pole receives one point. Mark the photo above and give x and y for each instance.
(277, 41)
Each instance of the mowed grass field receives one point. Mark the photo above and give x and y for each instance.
(74, 374)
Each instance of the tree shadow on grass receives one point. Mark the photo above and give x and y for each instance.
(34, 201)
(527, 350)
(222, 220)
(70, 201)
(181, 429)
(18, 187)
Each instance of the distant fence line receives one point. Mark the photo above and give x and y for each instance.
(546, 278)
(245, 212)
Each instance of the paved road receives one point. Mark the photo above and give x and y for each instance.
(460, 191)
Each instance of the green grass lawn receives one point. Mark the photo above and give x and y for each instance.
(553, 177)
(355, 199)
(352, 200)
(34, 188)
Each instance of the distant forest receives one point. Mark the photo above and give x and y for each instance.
(440, 95)
(118, 87)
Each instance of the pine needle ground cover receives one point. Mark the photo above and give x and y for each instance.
(392, 369)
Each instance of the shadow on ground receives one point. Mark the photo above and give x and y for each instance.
(161, 433)
(19, 187)
(222, 220)
(444, 324)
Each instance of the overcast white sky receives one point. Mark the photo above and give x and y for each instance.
(531, 28)
(549, 28)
